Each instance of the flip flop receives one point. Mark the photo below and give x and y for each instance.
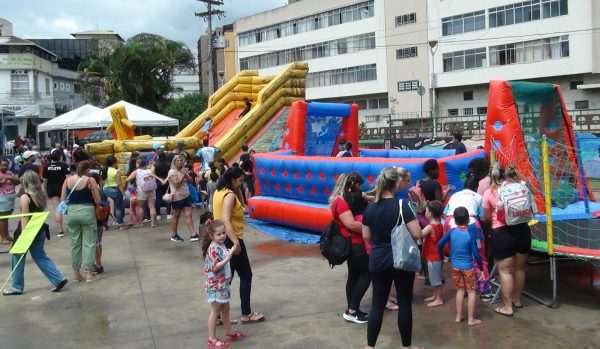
(518, 306)
(253, 317)
(391, 306)
(9, 292)
(236, 335)
(498, 311)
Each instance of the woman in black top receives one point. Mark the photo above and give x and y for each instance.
(161, 170)
(378, 221)
(54, 176)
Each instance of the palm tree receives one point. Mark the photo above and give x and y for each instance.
(140, 71)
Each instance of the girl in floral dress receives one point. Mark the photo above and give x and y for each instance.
(218, 277)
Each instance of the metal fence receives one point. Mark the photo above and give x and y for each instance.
(584, 120)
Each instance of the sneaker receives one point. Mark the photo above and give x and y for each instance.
(60, 234)
(486, 297)
(194, 238)
(146, 220)
(158, 218)
(357, 317)
(169, 217)
(176, 238)
(366, 315)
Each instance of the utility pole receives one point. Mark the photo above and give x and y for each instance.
(207, 16)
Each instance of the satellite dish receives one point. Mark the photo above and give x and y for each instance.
(421, 90)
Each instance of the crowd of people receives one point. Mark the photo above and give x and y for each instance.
(472, 221)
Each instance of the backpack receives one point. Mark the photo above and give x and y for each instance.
(334, 246)
(518, 203)
(347, 154)
(417, 198)
(148, 182)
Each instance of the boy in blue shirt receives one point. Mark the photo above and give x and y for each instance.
(462, 251)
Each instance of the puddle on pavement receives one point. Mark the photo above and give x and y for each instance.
(287, 249)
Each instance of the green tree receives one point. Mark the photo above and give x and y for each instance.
(139, 72)
(185, 109)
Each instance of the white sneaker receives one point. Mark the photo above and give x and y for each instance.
(158, 218)
(169, 217)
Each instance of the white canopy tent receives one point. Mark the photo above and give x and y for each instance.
(63, 122)
(138, 115)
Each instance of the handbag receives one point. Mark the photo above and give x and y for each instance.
(62, 208)
(168, 197)
(406, 254)
(100, 213)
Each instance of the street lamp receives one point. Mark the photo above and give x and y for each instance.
(433, 44)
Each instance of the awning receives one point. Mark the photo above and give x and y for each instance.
(588, 86)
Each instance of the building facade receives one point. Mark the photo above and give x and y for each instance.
(554, 41)
(224, 66)
(385, 55)
(26, 86)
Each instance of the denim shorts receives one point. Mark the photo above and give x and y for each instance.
(179, 204)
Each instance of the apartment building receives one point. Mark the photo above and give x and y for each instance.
(554, 41)
(373, 52)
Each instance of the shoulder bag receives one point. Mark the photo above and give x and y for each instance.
(406, 254)
(64, 205)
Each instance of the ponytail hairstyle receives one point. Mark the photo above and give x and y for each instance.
(338, 189)
(497, 175)
(110, 161)
(511, 173)
(230, 175)
(387, 180)
(210, 227)
(352, 179)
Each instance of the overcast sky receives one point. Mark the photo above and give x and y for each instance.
(173, 19)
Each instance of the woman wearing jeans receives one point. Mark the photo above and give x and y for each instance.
(227, 206)
(113, 189)
(378, 222)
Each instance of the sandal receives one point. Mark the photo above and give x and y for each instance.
(518, 306)
(236, 335)
(9, 292)
(252, 317)
(217, 344)
(499, 311)
(391, 306)
(232, 321)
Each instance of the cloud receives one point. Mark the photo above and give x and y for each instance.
(67, 24)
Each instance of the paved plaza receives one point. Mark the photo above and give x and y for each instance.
(152, 296)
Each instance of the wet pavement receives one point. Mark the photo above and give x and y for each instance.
(152, 296)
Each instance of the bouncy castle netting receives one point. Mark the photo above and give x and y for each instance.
(530, 130)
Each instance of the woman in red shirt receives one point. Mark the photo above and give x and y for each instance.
(359, 277)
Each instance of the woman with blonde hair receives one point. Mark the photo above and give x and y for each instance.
(510, 244)
(82, 226)
(378, 222)
(33, 200)
(179, 178)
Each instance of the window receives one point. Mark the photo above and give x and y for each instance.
(453, 112)
(342, 76)
(582, 104)
(526, 11)
(68, 87)
(77, 88)
(573, 84)
(373, 104)
(468, 95)
(62, 86)
(406, 19)
(362, 104)
(55, 85)
(468, 59)
(318, 21)
(410, 85)
(530, 51)
(19, 82)
(467, 22)
(47, 87)
(383, 103)
(467, 111)
(407, 52)
(482, 110)
(351, 44)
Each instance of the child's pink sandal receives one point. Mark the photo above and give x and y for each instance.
(236, 335)
(216, 344)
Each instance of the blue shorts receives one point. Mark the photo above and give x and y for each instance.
(179, 204)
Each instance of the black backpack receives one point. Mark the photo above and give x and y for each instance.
(347, 154)
(334, 246)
